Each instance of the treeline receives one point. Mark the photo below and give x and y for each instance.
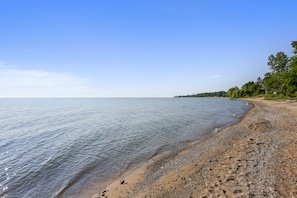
(280, 82)
(208, 94)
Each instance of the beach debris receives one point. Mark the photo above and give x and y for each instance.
(231, 178)
(103, 193)
(237, 191)
(122, 181)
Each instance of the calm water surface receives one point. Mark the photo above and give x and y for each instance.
(60, 147)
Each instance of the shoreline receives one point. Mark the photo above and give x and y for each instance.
(235, 161)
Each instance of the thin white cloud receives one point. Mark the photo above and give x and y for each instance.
(33, 83)
(215, 76)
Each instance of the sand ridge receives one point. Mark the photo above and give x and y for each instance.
(254, 158)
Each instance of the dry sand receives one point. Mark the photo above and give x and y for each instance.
(257, 157)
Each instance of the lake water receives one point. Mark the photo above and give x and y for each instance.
(62, 147)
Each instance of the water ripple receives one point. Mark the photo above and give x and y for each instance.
(59, 147)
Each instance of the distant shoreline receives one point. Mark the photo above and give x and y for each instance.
(242, 159)
(217, 94)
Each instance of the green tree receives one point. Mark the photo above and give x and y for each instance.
(279, 66)
(250, 89)
(260, 83)
(293, 61)
(272, 83)
(294, 45)
(291, 78)
(279, 62)
(234, 92)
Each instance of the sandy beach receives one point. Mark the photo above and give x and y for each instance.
(256, 157)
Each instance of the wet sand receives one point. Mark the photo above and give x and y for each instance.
(256, 157)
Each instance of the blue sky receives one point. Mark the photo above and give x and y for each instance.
(147, 48)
